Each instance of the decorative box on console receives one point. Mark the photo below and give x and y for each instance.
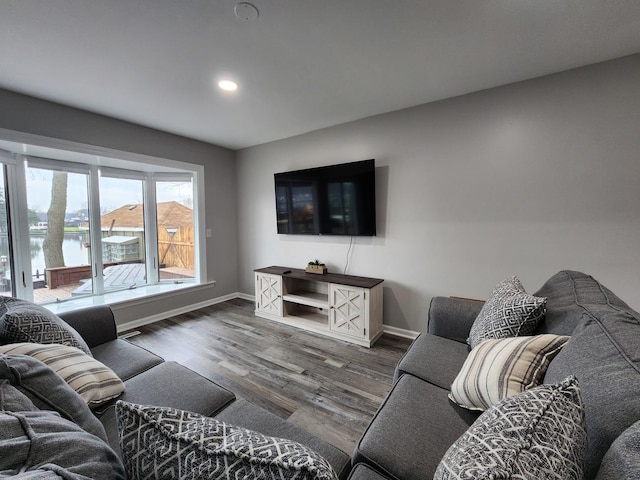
(319, 269)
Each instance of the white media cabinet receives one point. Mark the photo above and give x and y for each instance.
(341, 306)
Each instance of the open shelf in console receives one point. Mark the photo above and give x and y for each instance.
(311, 317)
(311, 299)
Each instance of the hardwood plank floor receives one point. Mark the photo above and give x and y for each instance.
(325, 386)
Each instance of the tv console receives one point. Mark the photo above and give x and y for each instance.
(341, 306)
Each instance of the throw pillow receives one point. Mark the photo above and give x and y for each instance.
(500, 368)
(48, 391)
(41, 444)
(95, 382)
(22, 321)
(508, 312)
(536, 434)
(166, 443)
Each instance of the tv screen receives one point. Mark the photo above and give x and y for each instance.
(331, 200)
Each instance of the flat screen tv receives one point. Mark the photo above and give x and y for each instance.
(331, 200)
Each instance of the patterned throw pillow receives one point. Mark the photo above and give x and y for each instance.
(503, 367)
(95, 382)
(166, 443)
(509, 312)
(536, 434)
(22, 321)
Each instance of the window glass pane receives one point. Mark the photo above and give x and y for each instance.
(123, 233)
(176, 232)
(6, 285)
(58, 234)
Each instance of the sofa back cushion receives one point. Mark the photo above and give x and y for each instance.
(604, 354)
(568, 293)
(622, 461)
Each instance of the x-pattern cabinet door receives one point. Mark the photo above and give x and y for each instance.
(269, 293)
(348, 310)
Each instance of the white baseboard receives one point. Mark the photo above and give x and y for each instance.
(246, 296)
(400, 332)
(176, 311)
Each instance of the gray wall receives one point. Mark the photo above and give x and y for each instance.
(525, 179)
(27, 114)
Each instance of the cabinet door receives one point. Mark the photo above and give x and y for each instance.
(269, 293)
(348, 310)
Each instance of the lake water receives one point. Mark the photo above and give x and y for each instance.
(72, 248)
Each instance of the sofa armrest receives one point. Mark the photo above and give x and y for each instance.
(452, 317)
(96, 325)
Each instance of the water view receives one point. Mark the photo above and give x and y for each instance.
(72, 247)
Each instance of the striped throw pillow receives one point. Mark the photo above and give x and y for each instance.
(93, 381)
(500, 368)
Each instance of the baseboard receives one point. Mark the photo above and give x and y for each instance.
(400, 332)
(176, 311)
(246, 296)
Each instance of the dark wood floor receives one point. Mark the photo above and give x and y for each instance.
(325, 386)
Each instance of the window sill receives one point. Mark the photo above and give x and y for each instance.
(134, 296)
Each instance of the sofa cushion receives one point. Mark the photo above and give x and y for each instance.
(434, 359)
(124, 358)
(48, 391)
(168, 384)
(167, 443)
(508, 312)
(536, 434)
(412, 430)
(245, 414)
(41, 444)
(503, 367)
(22, 321)
(362, 471)
(604, 354)
(93, 381)
(622, 460)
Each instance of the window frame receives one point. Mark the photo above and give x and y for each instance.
(95, 161)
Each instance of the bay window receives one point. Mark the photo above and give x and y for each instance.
(74, 224)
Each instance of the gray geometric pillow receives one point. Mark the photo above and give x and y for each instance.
(166, 443)
(539, 433)
(22, 321)
(509, 312)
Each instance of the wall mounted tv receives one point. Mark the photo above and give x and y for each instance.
(331, 200)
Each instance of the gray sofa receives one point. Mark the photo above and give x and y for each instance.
(44, 421)
(149, 380)
(417, 422)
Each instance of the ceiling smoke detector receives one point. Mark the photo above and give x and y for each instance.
(245, 11)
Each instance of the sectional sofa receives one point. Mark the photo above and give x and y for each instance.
(418, 422)
(147, 380)
(590, 376)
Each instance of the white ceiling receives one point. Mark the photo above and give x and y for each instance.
(301, 65)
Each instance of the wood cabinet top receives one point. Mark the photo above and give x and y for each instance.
(299, 273)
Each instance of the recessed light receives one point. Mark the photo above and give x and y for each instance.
(228, 85)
